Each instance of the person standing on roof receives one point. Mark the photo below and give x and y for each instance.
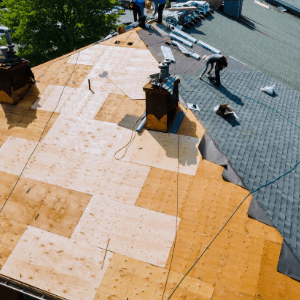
(221, 63)
(137, 7)
(159, 7)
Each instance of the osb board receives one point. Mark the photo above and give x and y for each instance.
(116, 107)
(76, 170)
(128, 278)
(224, 293)
(90, 136)
(42, 205)
(62, 73)
(125, 39)
(132, 231)
(190, 125)
(127, 68)
(25, 123)
(40, 69)
(160, 150)
(159, 193)
(70, 101)
(10, 233)
(272, 284)
(64, 267)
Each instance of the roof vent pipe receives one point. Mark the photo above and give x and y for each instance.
(4, 51)
(164, 69)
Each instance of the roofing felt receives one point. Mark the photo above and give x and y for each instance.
(270, 43)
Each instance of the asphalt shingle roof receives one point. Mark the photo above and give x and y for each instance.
(261, 145)
(273, 48)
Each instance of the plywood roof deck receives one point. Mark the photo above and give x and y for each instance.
(82, 225)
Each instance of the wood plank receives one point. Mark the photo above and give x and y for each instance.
(133, 279)
(76, 170)
(10, 233)
(160, 150)
(64, 267)
(272, 284)
(116, 106)
(133, 231)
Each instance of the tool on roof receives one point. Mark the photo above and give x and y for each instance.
(225, 111)
(15, 75)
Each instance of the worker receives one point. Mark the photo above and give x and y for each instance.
(137, 7)
(221, 63)
(159, 7)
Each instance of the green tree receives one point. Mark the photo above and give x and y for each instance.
(46, 29)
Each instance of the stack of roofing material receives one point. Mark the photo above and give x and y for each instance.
(208, 47)
(184, 35)
(186, 51)
(181, 40)
(233, 8)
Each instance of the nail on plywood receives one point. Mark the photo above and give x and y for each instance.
(64, 267)
(160, 150)
(133, 231)
(133, 279)
(116, 106)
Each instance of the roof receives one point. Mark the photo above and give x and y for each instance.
(265, 40)
(82, 225)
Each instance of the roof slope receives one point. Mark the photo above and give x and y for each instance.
(270, 44)
(83, 225)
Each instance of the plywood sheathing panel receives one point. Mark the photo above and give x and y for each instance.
(24, 122)
(124, 40)
(116, 106)
(2, 139)
(190, 125)
(224, 293)
(76, 170)
(133, 231)
(70, 101)
(127, 68)
(62, 73)
(42, 205)
(206, 201)
(135, 280)
(272, 284)
(90, 136)
(64, 267)
(160, 150)
(10, 233)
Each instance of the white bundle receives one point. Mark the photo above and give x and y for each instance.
(269, 89)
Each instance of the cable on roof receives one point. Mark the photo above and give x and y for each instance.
(39, 138)
(251, 192)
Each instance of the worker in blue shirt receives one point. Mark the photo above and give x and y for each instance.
(137, 7)
(159, 7)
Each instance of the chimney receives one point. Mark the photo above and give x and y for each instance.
(15, 75)
(162, 99)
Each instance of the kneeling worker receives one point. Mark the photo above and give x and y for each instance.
(159, 7)
(221, 63)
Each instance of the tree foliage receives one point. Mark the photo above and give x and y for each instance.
(46, 29)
